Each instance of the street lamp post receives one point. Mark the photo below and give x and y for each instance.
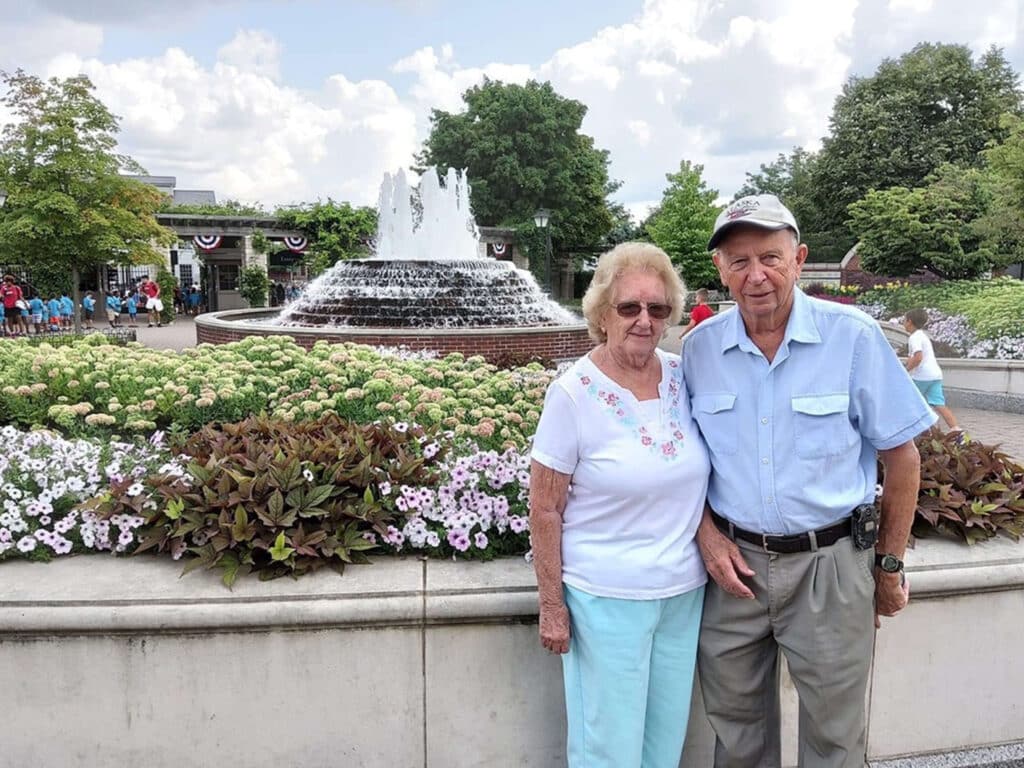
(541, 218)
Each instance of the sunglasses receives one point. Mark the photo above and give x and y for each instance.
(632, 309)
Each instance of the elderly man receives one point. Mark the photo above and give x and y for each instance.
(796, 397)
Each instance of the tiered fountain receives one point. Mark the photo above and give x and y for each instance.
(426, 287)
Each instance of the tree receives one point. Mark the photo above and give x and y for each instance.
(67, 204)
(336, 231)
(253, 285)
(522, 150)
(932, 227)
(1003, 224)
(791, 179)
(682, 225)
(933, 105)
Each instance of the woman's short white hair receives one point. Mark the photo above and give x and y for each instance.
(623, 258)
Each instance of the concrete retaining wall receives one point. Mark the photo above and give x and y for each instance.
(118, 662)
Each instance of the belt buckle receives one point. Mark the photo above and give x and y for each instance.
(764, 544)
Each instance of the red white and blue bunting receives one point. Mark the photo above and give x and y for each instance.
(296, 244)
(498, 248)
(207, 242)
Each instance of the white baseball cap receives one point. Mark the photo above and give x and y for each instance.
(765, 211)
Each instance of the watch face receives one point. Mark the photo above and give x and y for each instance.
(890, 563)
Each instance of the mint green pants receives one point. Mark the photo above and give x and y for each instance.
(628, 677)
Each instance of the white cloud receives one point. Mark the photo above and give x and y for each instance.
(233, 128)
(253, 51)
(641, 130)
(916, 6)
(725, 84)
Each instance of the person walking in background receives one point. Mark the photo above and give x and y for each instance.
(132, 307)
(67, 310)
(617, 484)
(113, 309)
(700, 312)
(10, 293)
(154, 306)
(798, 400)
(53, 305)
(924, 368)
(36, 311)
(88, 309)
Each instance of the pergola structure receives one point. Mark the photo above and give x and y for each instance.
(224, 246)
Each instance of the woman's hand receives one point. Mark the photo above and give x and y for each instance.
(554, 628)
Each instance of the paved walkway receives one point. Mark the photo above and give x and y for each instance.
(1006, 429)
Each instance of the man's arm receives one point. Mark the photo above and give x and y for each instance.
(722, 558)
(899, 501)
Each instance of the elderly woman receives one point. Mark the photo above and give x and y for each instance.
(617, 487)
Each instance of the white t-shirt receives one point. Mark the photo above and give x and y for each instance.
(639, 477)
(928, 369)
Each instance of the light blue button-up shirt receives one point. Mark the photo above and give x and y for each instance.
(793, 442)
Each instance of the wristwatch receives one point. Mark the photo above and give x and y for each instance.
(889, 563)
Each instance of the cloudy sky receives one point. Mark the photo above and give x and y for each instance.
(283, 101)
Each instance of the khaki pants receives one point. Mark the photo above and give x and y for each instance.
(818, 609)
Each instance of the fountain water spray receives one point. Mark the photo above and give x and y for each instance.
(426, 271)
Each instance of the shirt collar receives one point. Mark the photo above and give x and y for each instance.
(800, 326)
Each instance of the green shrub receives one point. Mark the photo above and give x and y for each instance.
(993, 308)
(253, 285)
(276, 498)
(969, 491)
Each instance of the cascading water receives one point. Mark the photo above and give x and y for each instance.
(426, 271)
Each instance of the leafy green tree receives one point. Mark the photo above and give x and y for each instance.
(522, 149)
(167, 282)
(1003, 224)
(253, 285)
(67, 204)
(336, 231)
(933, 105)
(931, 227)
(682, 224)
(624, 228)
(791, 179)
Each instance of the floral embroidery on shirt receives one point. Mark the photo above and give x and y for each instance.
(668, 449)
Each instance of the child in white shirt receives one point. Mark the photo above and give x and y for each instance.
(924, 368)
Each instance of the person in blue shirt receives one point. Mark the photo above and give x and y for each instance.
(67, 310)
(88, 308)
(795, 397)
(113, 309)
(53, 305)
(36, 309)
(132, 305)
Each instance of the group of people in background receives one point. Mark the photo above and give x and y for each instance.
(281, 294)
(26, 312)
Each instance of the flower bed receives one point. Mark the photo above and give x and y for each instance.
(92, 388)
(352, 451)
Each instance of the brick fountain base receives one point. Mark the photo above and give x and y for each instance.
(562, 342)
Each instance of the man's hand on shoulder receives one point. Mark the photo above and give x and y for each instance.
(723, 559)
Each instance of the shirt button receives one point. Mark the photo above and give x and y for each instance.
(764, 460)
(764, 421)
(769, 499)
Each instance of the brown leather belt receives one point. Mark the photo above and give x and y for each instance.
(786, 545)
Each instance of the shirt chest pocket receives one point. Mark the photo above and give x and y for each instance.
(716, 415)
(821, 425)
